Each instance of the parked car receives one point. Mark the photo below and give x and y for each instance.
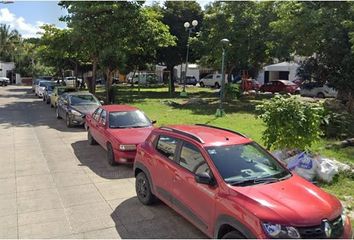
(190, 80)
(314, 89)
(4, 81)
(118, 129)
(230, 187)
(212, 80)
(40, 87)
(35, 83)
(48, 91)
(280, 86)
(144, 79)
(74, 106)
(57, 92)
(71, 81)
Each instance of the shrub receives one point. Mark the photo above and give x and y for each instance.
(232, 91)
(290, 123)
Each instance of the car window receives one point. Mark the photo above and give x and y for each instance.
(192, 159)
(83, 99)
(218, 76)
(167, 146)
(128, 119)
(103, 117)
(97, 113)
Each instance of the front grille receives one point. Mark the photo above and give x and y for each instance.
(318, 231)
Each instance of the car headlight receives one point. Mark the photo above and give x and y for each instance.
(343, 217)
(280, 231)
(127, 147)
(76, 113)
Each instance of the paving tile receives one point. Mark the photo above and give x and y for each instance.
(8, 204)
(44, 230)
(34, 182)
(38, 200)
(8, 226)
(118, 189)
(107, 233)
(79, 195)
(36, 168)
(7, 185)
(90, 217)
(64, 179)
(45, 216)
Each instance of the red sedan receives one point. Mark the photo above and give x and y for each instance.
(118, 129)
(280, 86)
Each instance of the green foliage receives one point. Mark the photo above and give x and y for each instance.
(232, 91)
(290, 123)
(9, 41)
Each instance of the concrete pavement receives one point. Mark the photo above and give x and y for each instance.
(54, 185)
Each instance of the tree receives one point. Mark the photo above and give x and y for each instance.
(9, 40)
(323, 29)
(175, 14)
(246, 25)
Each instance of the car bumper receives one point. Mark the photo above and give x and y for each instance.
(124, 157)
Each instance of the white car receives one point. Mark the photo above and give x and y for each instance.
(71, 81)
(4, 81)
(40, 88)
(212, 80)
(144, 78)
(317, 90)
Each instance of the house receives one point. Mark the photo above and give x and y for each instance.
(7, 70)
(278, 71)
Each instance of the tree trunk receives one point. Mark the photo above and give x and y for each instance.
(350, 104)
(109, 92)
(92, 81)
(172, 78)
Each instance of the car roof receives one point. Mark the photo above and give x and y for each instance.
(119, 108)
(208, 135)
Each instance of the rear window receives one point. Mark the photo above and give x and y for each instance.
(167, 146)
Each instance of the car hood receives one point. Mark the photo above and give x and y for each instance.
(293, 201)
(85, 109)
(131, 135)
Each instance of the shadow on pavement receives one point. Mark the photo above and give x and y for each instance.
(16, 113)
(94, 157)
(156, 221)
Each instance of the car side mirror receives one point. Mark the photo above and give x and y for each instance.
(204, 178)
(102, 102)
(153, 121)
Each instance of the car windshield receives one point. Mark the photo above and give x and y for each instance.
(130, 119)
(43, 84)
(83, 99)
(246, 164)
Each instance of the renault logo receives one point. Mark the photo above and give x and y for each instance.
(327, 228)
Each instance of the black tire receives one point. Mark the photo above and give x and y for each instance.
(68, 121)
(57, 113)
(320, 95)
(90, 139)
(110, 155)
(202, 84)
(47, 101)
(51, 105)
(143, 189)
(233, 235)
(217, 85)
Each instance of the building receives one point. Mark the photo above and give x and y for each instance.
(7, 70)
(278, 71)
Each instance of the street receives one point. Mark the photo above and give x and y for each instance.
(53, 184)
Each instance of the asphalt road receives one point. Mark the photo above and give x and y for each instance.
(54, 185)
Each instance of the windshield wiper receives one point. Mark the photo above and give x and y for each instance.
(253, 181)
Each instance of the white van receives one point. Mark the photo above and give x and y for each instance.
(212, 80)
(145, 78)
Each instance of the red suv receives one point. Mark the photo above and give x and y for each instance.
(230, 187)
(280, 86)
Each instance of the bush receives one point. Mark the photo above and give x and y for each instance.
(232, 91)
(290, 123)
(339, 125)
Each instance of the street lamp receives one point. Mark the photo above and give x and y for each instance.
(220, 111)
(189, 27)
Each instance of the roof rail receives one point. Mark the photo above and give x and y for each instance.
(190, 135)
(224, 129)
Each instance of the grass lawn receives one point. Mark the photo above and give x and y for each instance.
(240, 116)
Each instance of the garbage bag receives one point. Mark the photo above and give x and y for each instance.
(327, 169)
(303, 164)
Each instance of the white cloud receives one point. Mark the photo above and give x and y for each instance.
(26, 29)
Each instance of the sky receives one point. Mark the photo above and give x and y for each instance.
(27, 16)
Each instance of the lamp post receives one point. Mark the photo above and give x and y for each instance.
(220, 111)
(189, 27)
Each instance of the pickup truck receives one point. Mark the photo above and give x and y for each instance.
(4, 81)
(212, 80)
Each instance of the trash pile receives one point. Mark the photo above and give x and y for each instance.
(311, 167)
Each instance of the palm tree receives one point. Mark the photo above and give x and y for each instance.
(9, 39)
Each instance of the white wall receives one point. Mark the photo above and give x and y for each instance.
(193, 70)
(6, 66)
